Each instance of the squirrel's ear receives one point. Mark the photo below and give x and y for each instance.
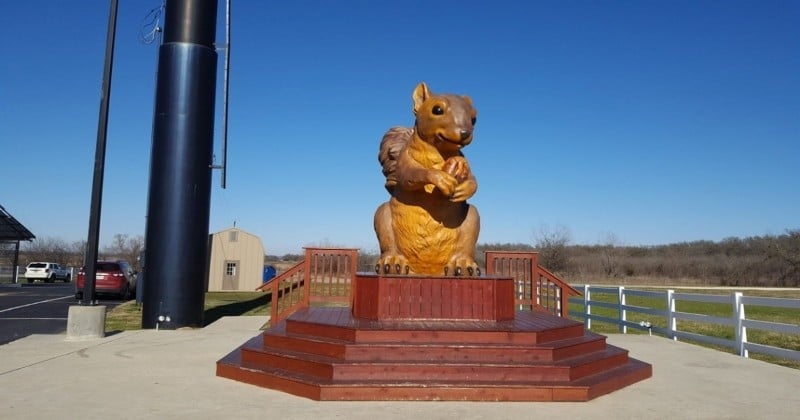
(421, 93)
(467, 99)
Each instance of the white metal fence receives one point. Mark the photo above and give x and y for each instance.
(671, 317)
(7, 273)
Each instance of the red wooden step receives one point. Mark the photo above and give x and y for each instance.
(276, 337)
(397, 370)
(309, 387)
(338, 323)
(327, 354)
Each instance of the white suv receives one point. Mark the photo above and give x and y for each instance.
(47, 271)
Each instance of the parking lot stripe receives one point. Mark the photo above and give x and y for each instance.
(35, 303)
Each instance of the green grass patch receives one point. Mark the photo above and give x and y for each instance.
(128, 316)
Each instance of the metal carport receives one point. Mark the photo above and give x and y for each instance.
(12, 232)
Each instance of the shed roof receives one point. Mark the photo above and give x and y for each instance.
(11, 229)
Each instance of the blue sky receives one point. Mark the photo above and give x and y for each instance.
(650, 121)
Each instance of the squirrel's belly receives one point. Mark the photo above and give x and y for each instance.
(425, 242)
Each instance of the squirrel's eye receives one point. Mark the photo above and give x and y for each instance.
(437, 110)
(474, 120)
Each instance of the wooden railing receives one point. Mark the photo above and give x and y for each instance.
(288, 292)
(331, 272)
(326, 276)
(536, 288)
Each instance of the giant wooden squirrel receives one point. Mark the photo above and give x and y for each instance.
(427, 227)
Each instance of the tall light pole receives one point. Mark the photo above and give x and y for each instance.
(92, 241)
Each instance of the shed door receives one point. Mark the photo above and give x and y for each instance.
(230, 278)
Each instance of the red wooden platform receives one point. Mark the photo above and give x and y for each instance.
(332, 354)
(385, 297)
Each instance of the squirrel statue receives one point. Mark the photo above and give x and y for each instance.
(427, 227)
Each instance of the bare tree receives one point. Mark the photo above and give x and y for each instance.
(126, 248)
(77, 251)
(610, 255)
(785, 249)
(552, 246)
(47, 249)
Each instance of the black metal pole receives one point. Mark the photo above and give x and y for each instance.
(15, 275)
(179, 199)
(93, 238)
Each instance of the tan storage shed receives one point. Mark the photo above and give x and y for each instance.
(236, 262)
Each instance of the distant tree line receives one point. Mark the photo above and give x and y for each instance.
(71, 254)
(758, 261)
(770, 260)
(763, 261)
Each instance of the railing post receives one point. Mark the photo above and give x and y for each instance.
(621, 310)
(353, 271)
(307, 277)
(273, 312)
(738, 322)
(587, 308)
(672, 323)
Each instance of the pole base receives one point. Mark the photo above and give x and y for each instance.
(86, 323)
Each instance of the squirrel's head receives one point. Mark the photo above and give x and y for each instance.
(445, 121)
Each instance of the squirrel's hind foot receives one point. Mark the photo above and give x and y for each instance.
(392, 264)
(462, 266)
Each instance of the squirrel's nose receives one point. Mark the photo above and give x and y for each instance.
(465, 134)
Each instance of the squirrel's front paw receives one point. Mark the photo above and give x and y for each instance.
(390, 263)
(445, 182)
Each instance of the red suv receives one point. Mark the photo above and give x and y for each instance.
(112, 277)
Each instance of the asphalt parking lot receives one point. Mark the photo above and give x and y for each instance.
(37, 308)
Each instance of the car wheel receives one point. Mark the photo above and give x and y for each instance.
(67, 279)
(30, 280)
(79, 295)
(50, 279)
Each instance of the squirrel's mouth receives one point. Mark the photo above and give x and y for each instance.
(442, 138)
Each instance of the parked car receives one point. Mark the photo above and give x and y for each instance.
(113, 277)
(47, 272)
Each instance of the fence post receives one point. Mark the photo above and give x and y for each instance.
(587, 307)
(672, 324)
(738, 322)
(622, 313)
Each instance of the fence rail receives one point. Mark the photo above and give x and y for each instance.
(671, 317)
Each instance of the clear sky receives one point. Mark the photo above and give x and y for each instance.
(652, 121)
